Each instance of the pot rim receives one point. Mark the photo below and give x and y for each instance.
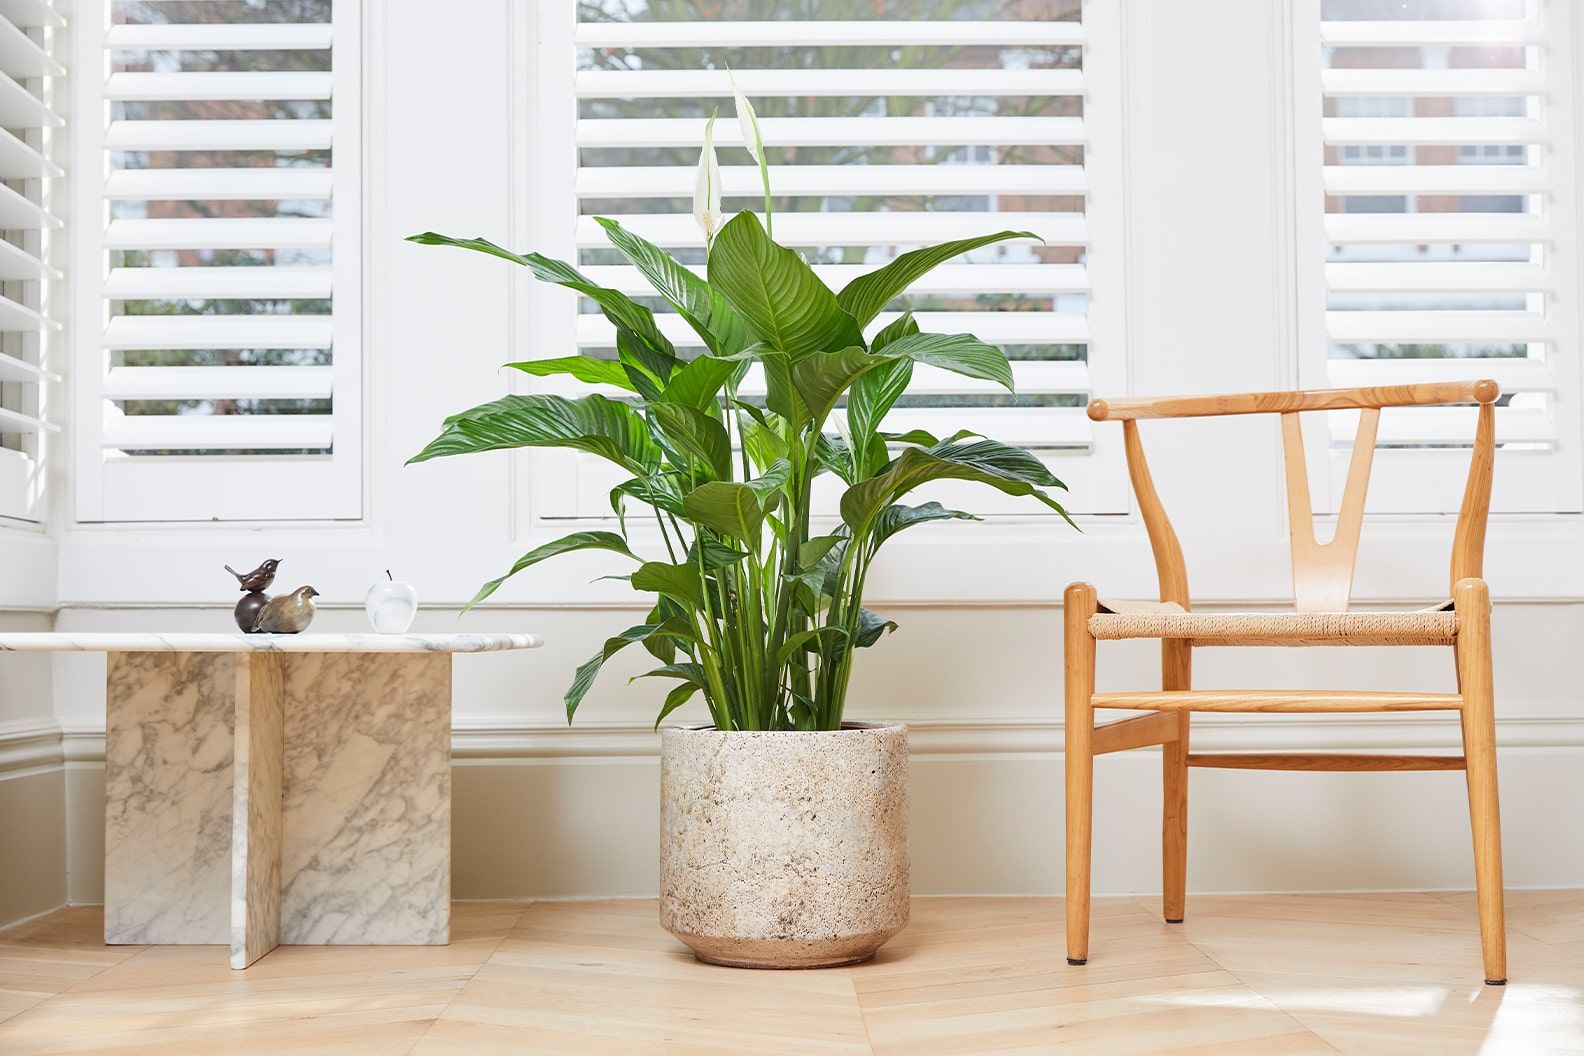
(846, 727)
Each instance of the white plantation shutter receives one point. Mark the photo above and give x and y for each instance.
(220, 315)
(29, 72)
(1438, 217)
(944, 120)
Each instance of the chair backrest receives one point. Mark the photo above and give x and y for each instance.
(1322, 572)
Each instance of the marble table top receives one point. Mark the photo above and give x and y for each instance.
(307, 642)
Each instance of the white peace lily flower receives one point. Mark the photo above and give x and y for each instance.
(707, 188)
(748, 121)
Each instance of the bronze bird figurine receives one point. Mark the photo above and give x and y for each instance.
(288, 613)
(258, 579)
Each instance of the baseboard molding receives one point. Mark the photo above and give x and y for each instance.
(30, 746)
(485, 740)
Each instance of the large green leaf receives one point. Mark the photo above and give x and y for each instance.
(823, 377)
(699, 382)
(894, 519)
(871, 627)
(583, 368)
(617, 306)
(726, 507)
(1002, 459)
(862, 502)
(656, 491)
(589, 423)
(781, 394)
(866, 295)
(716, 556)
(705, 310)
(680, 583)
(870, 400)
(565, 545)
(959, 353)
(901, 326)
(772, 480)
(675, 699)
(776, 293)
(586, 673)
(696, 435)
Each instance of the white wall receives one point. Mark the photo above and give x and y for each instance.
(543, 810)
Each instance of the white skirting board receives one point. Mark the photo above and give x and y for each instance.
(540, 812)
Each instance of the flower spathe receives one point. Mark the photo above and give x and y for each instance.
(707, 187)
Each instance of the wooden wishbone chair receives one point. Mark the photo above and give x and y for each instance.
(1322, 579)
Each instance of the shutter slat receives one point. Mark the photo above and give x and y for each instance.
(282, 134)
(129, 332)
(1434, 179)
(691, 84)
(1412, 326)
(205, 383)
(263, 283)
(249, 233)
(18, 161)
(1413, 32)
(1021, 328)
(1032, 378)
(18, 213)
(1436, 227)
(675, 181)
(1513, 375)
(20, 108)
(855, 229)
(235, 36)
(17, 263)
(221, 85)
(806, 33)
(14, 369)
(948, 278)
(218, 432)
(19, 318)
(1432, 131)
(30, 13)
(258, 184)
(20, 57)
(839, 131)
(1445, 426)
(17, 422)
(1432, 82)
(1429, 277)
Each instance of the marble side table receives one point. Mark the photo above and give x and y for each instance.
(273, 788)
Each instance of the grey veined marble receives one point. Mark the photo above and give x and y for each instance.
(256, 797)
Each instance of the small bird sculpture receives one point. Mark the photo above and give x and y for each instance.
(288, 613)
(258, 579)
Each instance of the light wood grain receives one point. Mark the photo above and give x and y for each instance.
(1079, 603)
(1138, 407)
(1468, 540)
(1299, 700)
(1323, 572)
(1138, 732)
(1253, 974)
(1472, 598)
(1333, 761)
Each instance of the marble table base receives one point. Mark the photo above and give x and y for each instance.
(260, 798)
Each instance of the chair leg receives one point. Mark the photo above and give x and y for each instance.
(1472, 601)
(1176, 673)
(1078, 605)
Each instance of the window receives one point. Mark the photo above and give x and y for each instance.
(888, 125)
(1436, 214)
(219, 376)
(28, 69)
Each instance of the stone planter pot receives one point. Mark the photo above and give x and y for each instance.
(784, 850)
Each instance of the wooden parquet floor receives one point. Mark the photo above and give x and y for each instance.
(1279, 974)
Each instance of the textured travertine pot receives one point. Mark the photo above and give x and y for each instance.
(784, 850)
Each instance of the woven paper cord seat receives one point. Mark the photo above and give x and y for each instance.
(1132, 619)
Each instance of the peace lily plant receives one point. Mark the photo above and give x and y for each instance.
(759, 608)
